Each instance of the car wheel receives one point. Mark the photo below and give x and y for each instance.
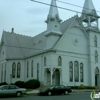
(66, 92)
(18, 94)
(49, 93)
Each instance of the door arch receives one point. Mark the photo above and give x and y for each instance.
(96, 76)
(56, 77)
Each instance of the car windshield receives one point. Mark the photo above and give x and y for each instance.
(17, 87)
(51, 87)
(1, 87)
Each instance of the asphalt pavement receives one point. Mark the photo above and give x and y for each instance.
(35, 92)
(81, 96)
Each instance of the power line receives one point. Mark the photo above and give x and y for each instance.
(54, 6)
(61, 8)
(74, 5)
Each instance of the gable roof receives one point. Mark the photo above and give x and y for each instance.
(67, 24)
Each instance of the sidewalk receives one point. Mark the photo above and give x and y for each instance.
(35, 92)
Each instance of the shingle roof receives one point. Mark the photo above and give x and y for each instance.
(64, 25)
(20, 46)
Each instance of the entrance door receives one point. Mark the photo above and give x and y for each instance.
(57, 78)
(96, 80)
(96, 76)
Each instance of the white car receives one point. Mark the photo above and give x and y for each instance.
(8, 90)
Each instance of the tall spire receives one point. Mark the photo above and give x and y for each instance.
(53, 20)
(53, 12)
(89, 14)
(89, 8)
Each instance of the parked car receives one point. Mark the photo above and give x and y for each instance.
(8, 90)
(59, 89)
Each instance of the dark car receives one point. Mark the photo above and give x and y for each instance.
(59, 89)
(9, 90)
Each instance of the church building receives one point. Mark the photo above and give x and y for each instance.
(66, 53)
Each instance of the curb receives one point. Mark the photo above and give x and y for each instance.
(35, 94)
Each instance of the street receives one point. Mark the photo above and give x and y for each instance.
(80, 96)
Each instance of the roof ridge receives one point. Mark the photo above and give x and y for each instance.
(68, 19)
(23, 35)
(7, 32)
(40, 33)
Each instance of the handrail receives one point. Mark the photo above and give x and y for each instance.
(64, 83)
(44, 83)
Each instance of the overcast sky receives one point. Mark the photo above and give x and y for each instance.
(27, 17)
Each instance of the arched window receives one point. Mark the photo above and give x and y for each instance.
(96, 71)
(95, 41)
(5, 74)
(81, 73)
(32, 68)
(96, 56)
(2, 74)
(76, 71)
(18, 70)
(44, 61)
(27, 69)
(71, 71)
(38, 71)
(59, 61)
(13, 70)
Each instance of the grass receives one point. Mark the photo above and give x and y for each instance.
(27, 90)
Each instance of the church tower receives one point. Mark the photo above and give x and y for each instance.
(89, 16)
(53, 32)
(89, 19)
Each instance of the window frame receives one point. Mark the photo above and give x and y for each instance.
(32, 68)
(71, 71)
(18, 69)
(45, 60)
(14, 70)
(81, 72)
(95, 41)
(76, 71)
(96, 57)
(27, 69)
(59, 61)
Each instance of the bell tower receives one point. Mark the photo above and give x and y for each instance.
(53, 32)
(89, 16)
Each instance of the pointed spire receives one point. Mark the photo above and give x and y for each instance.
(53, 12)
(89, 16)
(89, 9)
(53, 20)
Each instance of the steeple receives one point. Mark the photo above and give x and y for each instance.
(53, 20)
(89, 15)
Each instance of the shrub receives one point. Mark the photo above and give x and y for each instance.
(74, 87)
(3, 83)
(32, 84)
(83, 87)
(90, 87)
(20, 84)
